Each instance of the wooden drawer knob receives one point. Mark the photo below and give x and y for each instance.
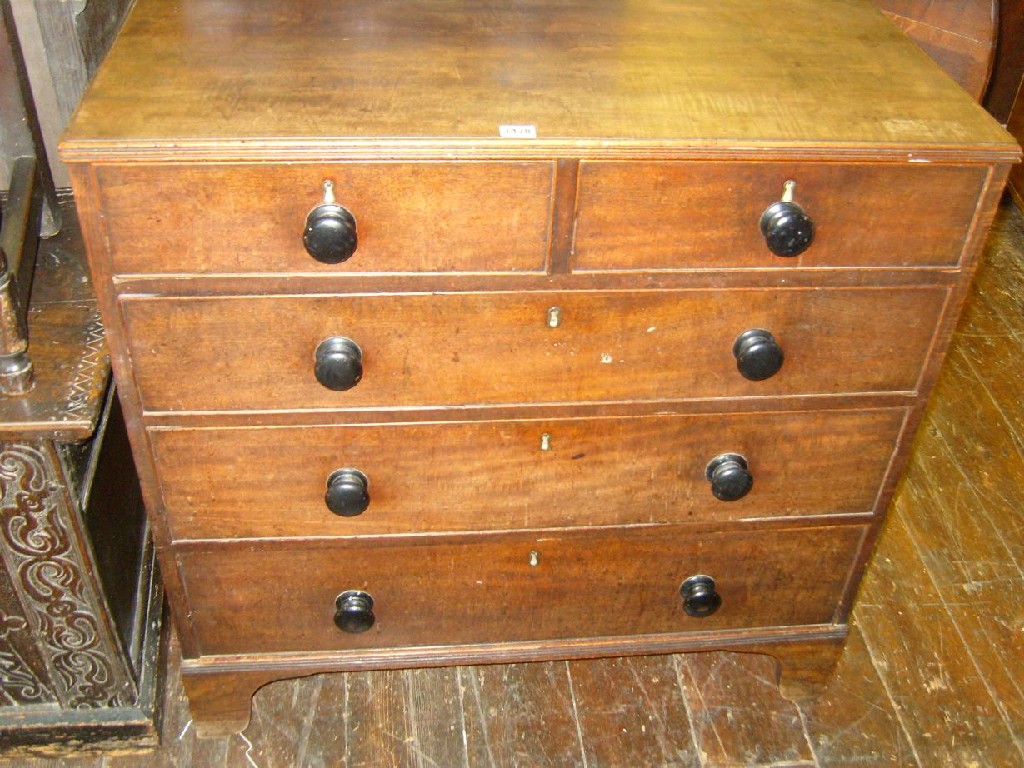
(355, 611)
(338, 363)
(347, 492)
(699, 596)
(330, 233)
(729, 477)
(758, 355)
(786, 228)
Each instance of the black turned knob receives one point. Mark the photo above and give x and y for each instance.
(347, 492)
(330, 233)
(699, 596)
(730, 479)
(787, 229)
(339, 363)
(355, 611)
(758, 355)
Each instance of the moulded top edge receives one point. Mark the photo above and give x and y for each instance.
(461, 149)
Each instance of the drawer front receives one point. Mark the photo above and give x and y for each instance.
(257, 352)
(637, 216)
(270, 597)
(410, 217)
(271, 482)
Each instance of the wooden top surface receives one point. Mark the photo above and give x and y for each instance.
(245, 78)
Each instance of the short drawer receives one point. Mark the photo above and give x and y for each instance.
(691, 215)
(410, 217)
(258, 352)
(504, 475)
(273, 597)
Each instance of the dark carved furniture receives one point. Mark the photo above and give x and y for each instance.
(80, 604)
(457, 333)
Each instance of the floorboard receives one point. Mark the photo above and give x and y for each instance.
(932, 674)
(739, 718)
(854, 723)
(521, 715)
(629, 714)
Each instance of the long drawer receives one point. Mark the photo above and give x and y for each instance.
(634, 216)
(433, 591)
(497, 475)
(258, 352)
(410, 217)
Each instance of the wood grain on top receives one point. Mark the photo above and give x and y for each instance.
(282, 77)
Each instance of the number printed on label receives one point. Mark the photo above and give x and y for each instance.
(517, 131)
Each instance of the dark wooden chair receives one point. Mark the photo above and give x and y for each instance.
(80, 603)
(29, 211)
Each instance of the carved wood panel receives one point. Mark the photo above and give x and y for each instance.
(46, 560)
(23, 678)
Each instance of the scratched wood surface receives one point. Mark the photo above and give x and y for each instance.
(666, 73)
(931, 674)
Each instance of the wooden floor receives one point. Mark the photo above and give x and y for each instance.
(933, 674)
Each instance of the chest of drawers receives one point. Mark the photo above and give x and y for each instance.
(457, 333)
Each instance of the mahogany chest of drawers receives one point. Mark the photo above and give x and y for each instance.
(457, 333)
